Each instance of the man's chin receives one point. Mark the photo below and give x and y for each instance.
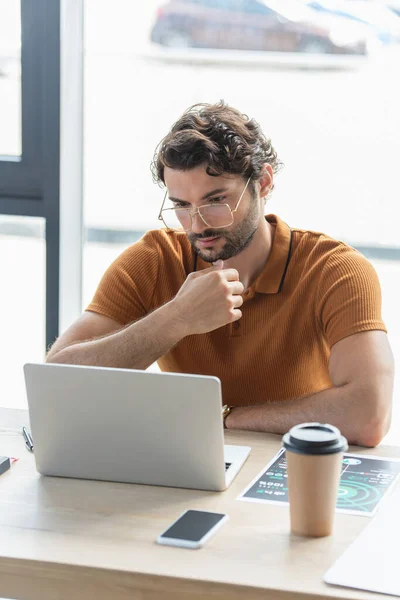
(208, 255)
(211, 256)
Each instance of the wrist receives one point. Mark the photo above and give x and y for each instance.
(175, 320)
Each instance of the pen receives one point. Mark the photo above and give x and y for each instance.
(28, 439)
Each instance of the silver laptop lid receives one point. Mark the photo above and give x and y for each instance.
(126, 425)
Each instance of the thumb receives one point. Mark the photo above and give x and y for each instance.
(219, 264)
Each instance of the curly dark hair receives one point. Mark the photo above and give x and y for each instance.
(219, 136)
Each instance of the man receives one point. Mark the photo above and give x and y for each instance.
(289, 320)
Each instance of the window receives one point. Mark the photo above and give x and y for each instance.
(10, 78)
(22, 303)
(331, 116)
(258, 8)
(29, 186)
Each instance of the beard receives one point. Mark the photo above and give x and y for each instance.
(236, 240)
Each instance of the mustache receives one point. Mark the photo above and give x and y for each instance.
(206, 234)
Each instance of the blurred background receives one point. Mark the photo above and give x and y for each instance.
(321, 78)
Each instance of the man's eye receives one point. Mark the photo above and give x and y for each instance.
(180, 205)
(217, 199)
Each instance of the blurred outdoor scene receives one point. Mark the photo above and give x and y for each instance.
(321, 78)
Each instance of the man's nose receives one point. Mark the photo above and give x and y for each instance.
(198, 224)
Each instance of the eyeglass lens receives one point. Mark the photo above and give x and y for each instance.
(213, 215)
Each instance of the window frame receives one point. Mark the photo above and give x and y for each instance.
(51, 144)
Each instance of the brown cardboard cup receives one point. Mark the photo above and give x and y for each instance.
(314, 453)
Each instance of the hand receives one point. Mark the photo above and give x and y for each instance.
(209, 299)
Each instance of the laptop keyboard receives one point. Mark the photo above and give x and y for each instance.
(227, 465)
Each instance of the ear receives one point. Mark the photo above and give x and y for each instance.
(266, 180)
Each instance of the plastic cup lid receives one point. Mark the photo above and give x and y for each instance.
(315, 438)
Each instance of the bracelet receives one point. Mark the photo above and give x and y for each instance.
(226, 410)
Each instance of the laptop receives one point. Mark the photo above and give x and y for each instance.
(130, 426)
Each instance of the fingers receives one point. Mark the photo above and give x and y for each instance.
(236, 287)
(237, 314)
(219, 264)
(227, 274)
(237, 301)
(230, 274)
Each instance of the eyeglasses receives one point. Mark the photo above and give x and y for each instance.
(215, 216)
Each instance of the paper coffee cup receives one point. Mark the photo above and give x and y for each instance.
(314, 453)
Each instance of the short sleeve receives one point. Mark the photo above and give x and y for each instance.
(126, 289)
(349, 295)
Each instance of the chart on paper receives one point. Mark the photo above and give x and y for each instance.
(364, 482)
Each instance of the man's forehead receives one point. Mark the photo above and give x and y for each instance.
(196, 180)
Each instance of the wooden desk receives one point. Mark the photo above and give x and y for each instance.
(73, 539)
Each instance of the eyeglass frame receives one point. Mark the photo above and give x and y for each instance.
(192, 212)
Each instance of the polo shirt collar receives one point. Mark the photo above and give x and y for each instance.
(271, 279)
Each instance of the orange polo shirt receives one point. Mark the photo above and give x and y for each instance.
(313, 292)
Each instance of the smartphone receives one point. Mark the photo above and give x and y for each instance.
(192, 529)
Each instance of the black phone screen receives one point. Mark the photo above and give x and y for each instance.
(193, 525)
